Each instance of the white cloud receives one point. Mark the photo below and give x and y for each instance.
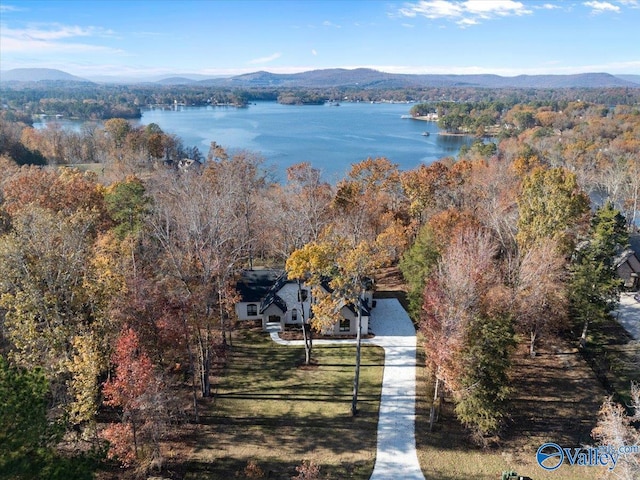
(327, 23)
(52, 38)
(464, 13)
(313, 52)
(549, 6)
(267, 59)
(9, 8)
(601, 7)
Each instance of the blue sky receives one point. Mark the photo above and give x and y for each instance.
(141, 38)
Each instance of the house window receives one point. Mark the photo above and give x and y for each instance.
(303, 295)
(294, 315)
(252, 310)
(345, 325)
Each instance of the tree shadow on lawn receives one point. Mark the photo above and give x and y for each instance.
(268, 407)
(614, 355)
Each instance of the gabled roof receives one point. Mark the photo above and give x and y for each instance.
(363, 309)
(254, 285)
(272, 297)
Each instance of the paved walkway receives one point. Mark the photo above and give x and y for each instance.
(396, 456)
(628, 314)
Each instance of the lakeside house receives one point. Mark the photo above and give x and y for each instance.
(269, 296)
(628, 264)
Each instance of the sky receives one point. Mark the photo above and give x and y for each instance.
(155, 38)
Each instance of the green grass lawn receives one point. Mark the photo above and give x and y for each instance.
(271, 410)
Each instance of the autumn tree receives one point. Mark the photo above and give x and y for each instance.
(424, 187)
(66, 191)
(300, 208)
(551, 206)
(136, 391)
(117, 130)
(369, 201)
(420, 260)
(540, 289)
(310, 264)
(468, 329)
(43, 272)
(53, 292)
(344, 269)
(202, 224)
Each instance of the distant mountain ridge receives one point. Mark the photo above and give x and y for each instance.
(38, 75)
(367, 78)
(630, 78)
(359, 78)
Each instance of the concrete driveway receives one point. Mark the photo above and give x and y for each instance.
(628, 314)
(396, 456)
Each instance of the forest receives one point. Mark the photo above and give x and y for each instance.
(89, 101)
(118, 263)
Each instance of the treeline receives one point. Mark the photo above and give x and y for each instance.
(115, 141)
(503, 119)
(100, 102)
(117, 288)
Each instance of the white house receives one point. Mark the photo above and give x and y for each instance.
(269, 296)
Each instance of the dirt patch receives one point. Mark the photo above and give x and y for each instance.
(556, 396)
(391, 284)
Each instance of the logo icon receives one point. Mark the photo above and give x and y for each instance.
(550, 456)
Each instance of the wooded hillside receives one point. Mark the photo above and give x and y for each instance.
(117, 279)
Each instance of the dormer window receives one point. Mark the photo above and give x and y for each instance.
(294, 315)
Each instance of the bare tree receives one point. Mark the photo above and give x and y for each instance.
(541, 293)
(615, 430)
(200, 225)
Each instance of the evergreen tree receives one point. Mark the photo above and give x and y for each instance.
(595, 286)
(416, 265)
(481, 405)
(26, 435)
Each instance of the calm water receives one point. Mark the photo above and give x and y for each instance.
(330, 138)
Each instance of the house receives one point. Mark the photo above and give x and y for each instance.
(628, 264)
(269, 296)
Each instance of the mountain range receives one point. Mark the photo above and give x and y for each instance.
(359, 78)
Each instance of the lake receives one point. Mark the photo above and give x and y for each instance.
(330, 137)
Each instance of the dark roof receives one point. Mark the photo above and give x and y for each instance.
(273, 299)
(363, 309)
(634, 243)
(254, 285)
(272, 295)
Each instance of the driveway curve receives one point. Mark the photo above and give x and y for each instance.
(396, 455)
